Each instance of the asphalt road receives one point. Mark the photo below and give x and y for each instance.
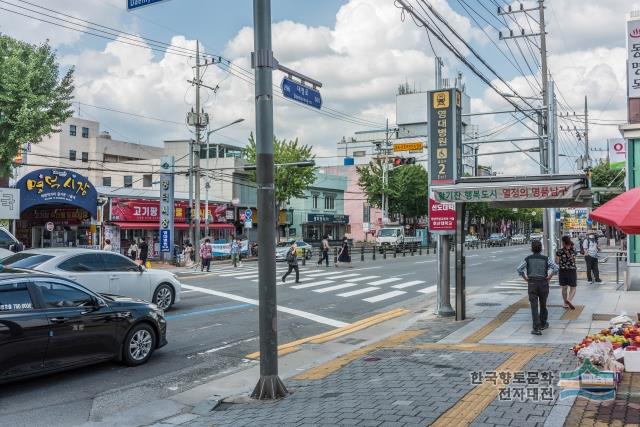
(215, 326)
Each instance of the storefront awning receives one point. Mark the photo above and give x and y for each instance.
(544, 191)
(133, 225)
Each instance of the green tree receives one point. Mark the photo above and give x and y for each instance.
(34, 100)
(407, 188)
(290, 182)
(603, 176)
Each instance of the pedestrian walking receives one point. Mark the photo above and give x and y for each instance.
(187, 254)
(591, 252)
(206, 253)
(235, 251)
(107, 245)
(239, 251)
(143, 247)
(568, 274)
(325, 250)
(344, 257)
(292, 260)
(537, 270)
(133, 251)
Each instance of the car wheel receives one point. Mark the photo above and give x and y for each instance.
(139, 344)
(163, 296)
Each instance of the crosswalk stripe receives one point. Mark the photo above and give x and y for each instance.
(312, 284)
(336, 287)
(328, 273)
(358, 292)
(237, 273)
(408, 284)
(303, 279)
(383, 281)
(384, 296)
(360, 279)
(250, 276)
(429, 290)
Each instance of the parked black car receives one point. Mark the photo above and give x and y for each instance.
(49, 324)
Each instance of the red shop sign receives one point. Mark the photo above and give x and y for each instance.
(442, 217)
(132, 210)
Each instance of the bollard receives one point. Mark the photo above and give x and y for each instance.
(617, 268)
(404, 251)
(395, 251)
(413, 247)
(362, 253)
(375, 249)
(384, 252)
(335, 256)
(304, 256)
(420, 249)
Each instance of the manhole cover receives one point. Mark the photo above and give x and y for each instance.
(487, 304)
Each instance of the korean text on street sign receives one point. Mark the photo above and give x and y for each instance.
(442, 217)
(633, 53)
(445, 136)
(301, 93)
(248, 214)
(137, 4)
(407, 146)
(499, 194)
(165, 240)
(9, 203)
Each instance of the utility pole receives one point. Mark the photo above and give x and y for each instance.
(270, 386)
(587, 158)
(196, 157)
(385, 177)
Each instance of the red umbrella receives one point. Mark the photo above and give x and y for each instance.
(622, 212)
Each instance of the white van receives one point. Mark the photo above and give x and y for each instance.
(8, 243)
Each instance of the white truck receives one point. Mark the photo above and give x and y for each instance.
(395, 237)
(8, 243)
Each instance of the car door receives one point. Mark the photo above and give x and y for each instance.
(81, 330)
(86, 269)
(24, 331)
(125, 277)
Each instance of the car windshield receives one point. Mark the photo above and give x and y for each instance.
(387, 232)
(496, 236)
(25, 260)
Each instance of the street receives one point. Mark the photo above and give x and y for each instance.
(215, 326)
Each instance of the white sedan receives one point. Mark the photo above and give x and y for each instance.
(102, 272)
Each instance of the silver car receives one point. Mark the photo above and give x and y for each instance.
(102, 272)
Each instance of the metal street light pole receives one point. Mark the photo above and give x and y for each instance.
(207, 185)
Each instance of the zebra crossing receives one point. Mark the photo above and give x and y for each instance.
(343, 283)
(520, 285)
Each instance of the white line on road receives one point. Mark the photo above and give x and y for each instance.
(213, 350)
(429, 290)
(295, 312)
(358, 292)
(383, 281)
(360, 279)
(384, 296)
(338, 275)
(424, 262)
(336, 287)
(408, 284)
(288, 282)
(250, 276)
(311, 285)
(477, 263)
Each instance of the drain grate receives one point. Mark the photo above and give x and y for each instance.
(487, 304)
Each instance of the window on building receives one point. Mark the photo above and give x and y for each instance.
(315, 201)
(366, 213)
(147, 180)
(359, 153)
(72, 154)
(106, 181)
(85, 132)
(72, 130)
(329, 201)
(128, 181)
(85, 157)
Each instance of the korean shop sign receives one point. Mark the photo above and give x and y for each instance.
(445, 136)
(532, 191)
(57, 186)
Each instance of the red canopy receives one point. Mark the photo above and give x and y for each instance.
(622, 212)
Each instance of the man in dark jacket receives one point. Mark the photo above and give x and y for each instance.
(292, 260)
(144, 251)
(537, 270)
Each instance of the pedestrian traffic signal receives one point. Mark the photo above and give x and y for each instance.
(187, 214)
(399, 161)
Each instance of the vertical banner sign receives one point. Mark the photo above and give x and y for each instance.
(617, 153)
(633, 69)
(445, 154)
(166, 206)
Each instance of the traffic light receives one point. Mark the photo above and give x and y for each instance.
(399, 161)
(187, 214)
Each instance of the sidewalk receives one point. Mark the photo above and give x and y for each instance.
(417, 369)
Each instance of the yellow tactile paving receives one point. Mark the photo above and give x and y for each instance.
(335, 333)
(502, 317)
(572, 314)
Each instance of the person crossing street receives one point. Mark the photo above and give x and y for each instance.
(537, 270)
(292, 260)
(206, 253)
(325, 251)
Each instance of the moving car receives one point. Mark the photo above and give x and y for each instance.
(518, 239)
(102, 272)
(49, 324)
(497, 239)
(535, 236)
(471, 241)
(303, 248)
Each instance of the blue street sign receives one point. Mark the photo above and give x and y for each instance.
(248, 223)
(248, 214)
(301, 93)
(137, 4)
(165, 240)
(589, 221)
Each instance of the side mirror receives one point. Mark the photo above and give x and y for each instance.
(141, 268)
(16, 247)
(100, 302)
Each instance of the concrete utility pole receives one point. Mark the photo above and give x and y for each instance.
(587, 158)
(269, 386)
(196, 157)
(385, 177)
